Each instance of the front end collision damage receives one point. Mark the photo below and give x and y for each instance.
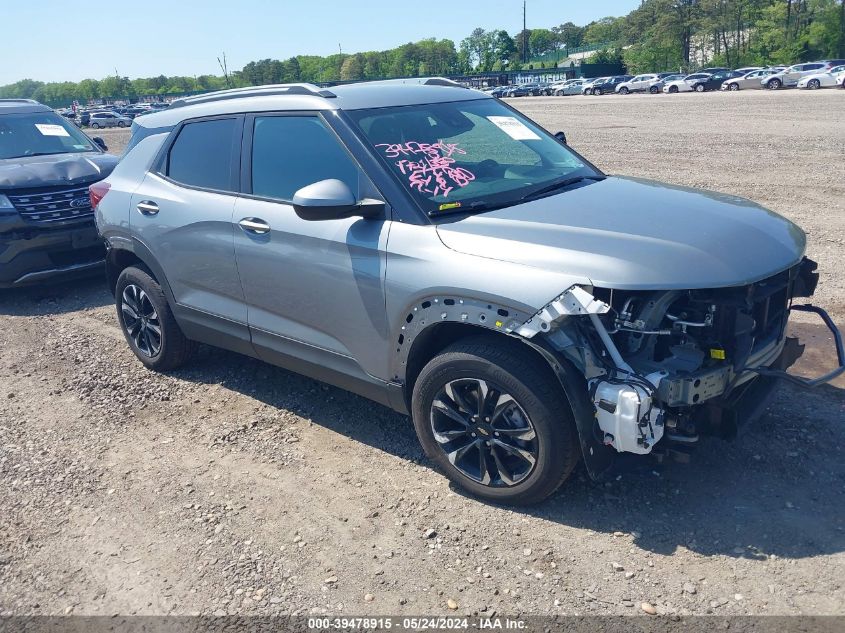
(690, 363)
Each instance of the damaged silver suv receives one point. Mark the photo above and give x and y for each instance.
(434, 250)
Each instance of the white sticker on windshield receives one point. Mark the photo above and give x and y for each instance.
(514, 128)
(51, 129)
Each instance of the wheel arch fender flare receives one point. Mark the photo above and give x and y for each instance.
(423, 316)
(140, 253)
(468, 316)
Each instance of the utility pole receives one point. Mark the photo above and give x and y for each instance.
(524, 36)
(225, 68)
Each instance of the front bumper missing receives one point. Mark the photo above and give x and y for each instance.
(783, 374)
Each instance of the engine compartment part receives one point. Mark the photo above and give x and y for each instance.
(627, 414)
(574, 302)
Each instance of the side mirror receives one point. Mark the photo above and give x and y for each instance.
(100, 143)
(561, 137)
(333, 200)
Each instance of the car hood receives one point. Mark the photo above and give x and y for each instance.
(631, 234)
(58, 169)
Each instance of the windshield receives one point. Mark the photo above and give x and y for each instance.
(40, 134)
(467, 155)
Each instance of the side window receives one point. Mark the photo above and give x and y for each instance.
(202, 155)
(292, 152)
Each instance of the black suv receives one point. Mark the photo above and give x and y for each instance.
(608, 86)
(714, 81)
(46, 220)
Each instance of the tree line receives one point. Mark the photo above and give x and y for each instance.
(657, 35)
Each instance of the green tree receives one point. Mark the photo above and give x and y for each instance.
(542, 42)
(569, 35)
(352, 68)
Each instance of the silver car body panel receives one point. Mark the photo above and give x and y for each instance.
(635, 234)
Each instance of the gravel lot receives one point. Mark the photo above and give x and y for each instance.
(234, 487)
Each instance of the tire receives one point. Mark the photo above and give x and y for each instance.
(699, 88)
(537, 412)
(773, 84)
(624, 90)
(121, 124)
(95, 125)
(654, 90)
(598, 92)
(814, 84)
(733, 87)
(673, 89)
(137, 292)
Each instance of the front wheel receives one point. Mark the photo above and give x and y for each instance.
(699, 88)
(814, 84)
(624, 90)
(773, 84)
(733, 87)
(496, 422)
(598, 91)
(148, 323)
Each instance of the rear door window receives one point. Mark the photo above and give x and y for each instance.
(203, 155)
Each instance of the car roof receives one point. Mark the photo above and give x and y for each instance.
(19, 106)
(281, 97)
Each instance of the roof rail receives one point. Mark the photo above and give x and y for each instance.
(420, 81)
(255, 91)
(442, 81)
(19, 101)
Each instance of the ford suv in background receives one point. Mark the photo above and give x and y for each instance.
(46, 219)
(434, 250)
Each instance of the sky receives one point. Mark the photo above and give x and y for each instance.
(51, 40)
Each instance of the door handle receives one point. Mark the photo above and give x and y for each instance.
(147, 207)
(254, 225)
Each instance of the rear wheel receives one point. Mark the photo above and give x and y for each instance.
(148, 323)
(495, 421)
(654, 90)
(121, 124)
(95, 125)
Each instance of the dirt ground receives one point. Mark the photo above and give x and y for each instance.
(233, 487)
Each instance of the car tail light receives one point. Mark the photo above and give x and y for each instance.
(97, 192)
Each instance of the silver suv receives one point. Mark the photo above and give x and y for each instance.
(432, 249)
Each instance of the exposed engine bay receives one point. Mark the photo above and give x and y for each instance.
(674, 364)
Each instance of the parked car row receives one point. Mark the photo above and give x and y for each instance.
(110, 116)
(812, 75)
